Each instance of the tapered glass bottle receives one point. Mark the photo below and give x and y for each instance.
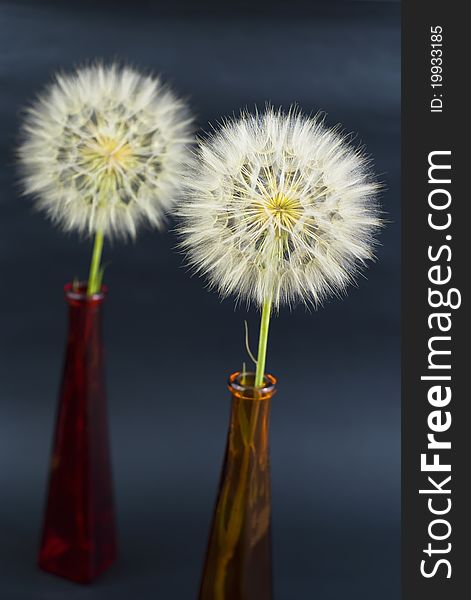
(238, 558)
(78, 540)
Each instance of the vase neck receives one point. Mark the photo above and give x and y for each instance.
(250, 413)
(85, 318)
(249, 426)
(241, 385)
(76, 296)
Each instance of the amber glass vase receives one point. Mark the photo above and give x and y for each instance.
(78, 540)
(238, 558)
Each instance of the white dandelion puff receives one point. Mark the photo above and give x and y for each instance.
(279, 208)
(103, 150)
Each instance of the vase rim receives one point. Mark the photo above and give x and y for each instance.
(250, 392)
(77, 292)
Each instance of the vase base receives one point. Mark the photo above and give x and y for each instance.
(71, 566)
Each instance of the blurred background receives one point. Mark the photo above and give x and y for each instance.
(171, 344)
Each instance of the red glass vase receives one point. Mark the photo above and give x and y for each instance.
(238, 557)
(79, 540)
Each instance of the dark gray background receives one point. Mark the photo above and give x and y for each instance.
(171, 343)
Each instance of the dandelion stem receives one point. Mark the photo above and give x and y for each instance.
(262, 342)
(94, 278)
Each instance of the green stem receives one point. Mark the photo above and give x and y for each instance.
(94, 277)
(262, 342)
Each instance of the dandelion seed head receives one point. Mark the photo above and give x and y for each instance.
(279, 206)
(104, 149)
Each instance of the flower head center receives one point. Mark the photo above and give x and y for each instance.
(115, 152)
(108, 155)
(283, 211)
